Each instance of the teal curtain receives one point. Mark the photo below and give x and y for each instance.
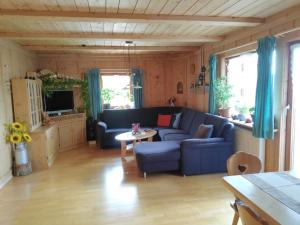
(212, 78)
(263, 124)
(137, 81)
(94, 92)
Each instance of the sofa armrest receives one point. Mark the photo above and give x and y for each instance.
(201, 156)
(101, 128)
(102, 125)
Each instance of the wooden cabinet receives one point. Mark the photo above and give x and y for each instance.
(72, 131)
(27, 101)
(44, 147)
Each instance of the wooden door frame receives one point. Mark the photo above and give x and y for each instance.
(289, 114)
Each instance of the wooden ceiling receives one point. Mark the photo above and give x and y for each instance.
(153, 25)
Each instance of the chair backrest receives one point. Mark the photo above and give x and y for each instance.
(248, 216)
(243, 163)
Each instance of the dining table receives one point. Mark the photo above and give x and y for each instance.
(275, 196)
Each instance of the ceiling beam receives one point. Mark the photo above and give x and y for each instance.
(109, 36)
(113, 48)
(135, 18)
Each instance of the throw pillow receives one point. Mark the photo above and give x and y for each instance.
(164, 120)
(204, 131)
(176, 120)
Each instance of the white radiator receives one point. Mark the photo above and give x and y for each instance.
(244, 141)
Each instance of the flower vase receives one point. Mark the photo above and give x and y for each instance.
(22, 165)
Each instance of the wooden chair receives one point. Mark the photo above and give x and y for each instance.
(241, 163)
(248, 216)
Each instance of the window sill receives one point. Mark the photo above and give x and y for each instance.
(238, 123)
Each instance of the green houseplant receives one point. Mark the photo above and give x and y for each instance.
(107, 95)
(223, 93)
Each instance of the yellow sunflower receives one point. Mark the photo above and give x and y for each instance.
(15, 138)
(27, 137)
(17, 126)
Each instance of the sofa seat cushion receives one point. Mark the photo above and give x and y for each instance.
(149, 152)
(166, 131)
(176, 137)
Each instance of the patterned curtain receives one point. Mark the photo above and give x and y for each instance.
(94, 92)
(263, 124)
(212, 78)
(137, 81)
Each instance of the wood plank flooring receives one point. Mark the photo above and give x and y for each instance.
(89, 186)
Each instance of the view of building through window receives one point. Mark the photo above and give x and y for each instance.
(116, 91)
(242, 75)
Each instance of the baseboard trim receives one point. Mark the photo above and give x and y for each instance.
(5, 179)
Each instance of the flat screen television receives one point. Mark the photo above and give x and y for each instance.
(59, 102)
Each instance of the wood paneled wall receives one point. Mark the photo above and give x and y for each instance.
(15, 62)
(285, 25)
(161, 73)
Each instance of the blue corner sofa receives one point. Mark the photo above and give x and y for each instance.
(173, 149)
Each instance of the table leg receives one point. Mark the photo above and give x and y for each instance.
(123, 149)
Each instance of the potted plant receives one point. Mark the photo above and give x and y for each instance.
(17, 134)
(251, 111)
(223, 93)
(107, 95)
(243, 113)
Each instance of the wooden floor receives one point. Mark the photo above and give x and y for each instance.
(88, 186)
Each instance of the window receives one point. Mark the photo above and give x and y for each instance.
(242, 75)
(116, 91)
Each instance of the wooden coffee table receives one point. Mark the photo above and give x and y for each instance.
(135, 139)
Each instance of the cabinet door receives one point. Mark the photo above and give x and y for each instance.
(65, 135)
(78, 132)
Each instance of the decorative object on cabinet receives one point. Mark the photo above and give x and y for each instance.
(27, 102)
(199, 83)
(17, 134)
(172, 101)
(179, 87)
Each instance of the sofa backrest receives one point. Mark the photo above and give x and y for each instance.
(218, 122)
(199, 119)
(123, 118)
(186, 119)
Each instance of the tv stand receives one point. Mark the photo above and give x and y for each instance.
(65, 133)
(71, 129)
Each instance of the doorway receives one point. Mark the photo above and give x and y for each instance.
(293, 116)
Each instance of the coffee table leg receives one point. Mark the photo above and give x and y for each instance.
(123, 149)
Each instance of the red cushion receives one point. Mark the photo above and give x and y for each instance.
(164, 120)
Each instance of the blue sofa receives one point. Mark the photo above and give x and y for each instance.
(114, 122)
(178, 150)
(175, 149)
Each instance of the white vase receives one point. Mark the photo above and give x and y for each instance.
(21, 154)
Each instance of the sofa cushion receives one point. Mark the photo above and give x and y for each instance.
(157, 151)
(218, 122)
(186, 119)
(176, 137)
(198, 119)
(176, 120)
(204, 131)
(164, 120)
